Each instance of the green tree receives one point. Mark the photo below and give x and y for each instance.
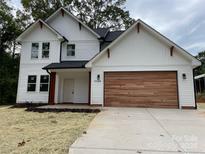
(102, 13)
(94, 13)
(8, 78)
(23, 19)
(7, 27)
(201, 69)
(9, 61)
(41, 9)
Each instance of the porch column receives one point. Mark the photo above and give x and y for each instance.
(51, 100)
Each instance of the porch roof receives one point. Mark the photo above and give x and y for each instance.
(66, 64)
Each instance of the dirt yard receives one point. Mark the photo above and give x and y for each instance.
(44, 133)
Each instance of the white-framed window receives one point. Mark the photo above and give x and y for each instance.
(31, 86)
(71, 50)
(45, 49)
(34, 50)
(44, 83)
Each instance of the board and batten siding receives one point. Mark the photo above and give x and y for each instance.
(30, 66)
(143, 52)
(86, 43)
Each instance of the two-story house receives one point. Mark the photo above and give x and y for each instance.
(65, 61)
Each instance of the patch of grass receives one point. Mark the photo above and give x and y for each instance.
(201, 105)
(33, 132)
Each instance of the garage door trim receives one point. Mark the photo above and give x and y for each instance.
(176, 72)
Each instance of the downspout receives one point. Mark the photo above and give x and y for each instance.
(49, 84)
(61, 44)
(48, 72)
(195, 86)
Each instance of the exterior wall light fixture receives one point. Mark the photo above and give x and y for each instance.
(184, 76)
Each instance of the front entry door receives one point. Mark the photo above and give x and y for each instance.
(68, 90)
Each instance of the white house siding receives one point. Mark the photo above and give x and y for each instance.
(81, 85)
(143, 52)
(30, 66)
(86, 43)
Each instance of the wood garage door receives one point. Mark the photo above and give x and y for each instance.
(141, 89)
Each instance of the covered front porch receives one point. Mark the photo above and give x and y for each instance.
(69, 83)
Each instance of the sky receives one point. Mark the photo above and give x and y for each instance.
(182, 21)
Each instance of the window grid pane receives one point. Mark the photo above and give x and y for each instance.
(32, 79)
(44, 79)
(34, 50)
(71, 50)
(43, 87)
(44, 83)
(31, 86)
(45, 50)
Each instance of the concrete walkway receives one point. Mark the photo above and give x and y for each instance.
(146, 131)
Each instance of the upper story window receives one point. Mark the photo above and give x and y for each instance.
(45, 49)
(34, 50)
(31, 83)
(71, 50)
(44, 82)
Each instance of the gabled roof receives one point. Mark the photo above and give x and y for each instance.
(195, 62)
(39, 21)
(66, 64)
(74, 17)
(102, 31)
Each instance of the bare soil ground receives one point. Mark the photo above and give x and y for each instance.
(43, 133)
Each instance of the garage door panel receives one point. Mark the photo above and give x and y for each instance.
(133, 100)
(141, 89)
(141, 99)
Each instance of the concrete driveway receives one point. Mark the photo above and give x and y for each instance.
(146, 131)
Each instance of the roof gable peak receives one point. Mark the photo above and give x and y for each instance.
(65, 11)
(137, 25)
(41, 24)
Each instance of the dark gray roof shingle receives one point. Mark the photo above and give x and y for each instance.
(111, 36)
(102, 31)
(107, 36)
(66, 64)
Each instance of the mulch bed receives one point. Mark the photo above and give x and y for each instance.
(34, 108)
(40, 110)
